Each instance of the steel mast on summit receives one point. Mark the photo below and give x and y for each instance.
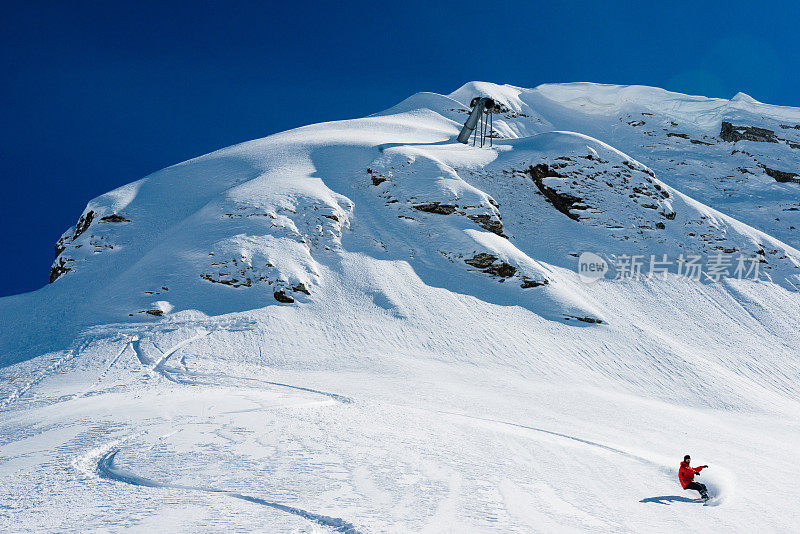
(481, 110)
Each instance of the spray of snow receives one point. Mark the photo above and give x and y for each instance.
(721, 484)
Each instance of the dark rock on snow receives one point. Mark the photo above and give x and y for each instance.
(281, 296)
(83, 223)
(486, 263)
(563, 202)
(114, 218)
(732, 134)
(781, 176)
(58, 268)
(489, 223)
(482, 260)
(435, 207)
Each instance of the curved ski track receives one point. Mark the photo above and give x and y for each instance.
(107, 470)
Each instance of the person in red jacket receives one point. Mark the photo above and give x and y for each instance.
(686, 475)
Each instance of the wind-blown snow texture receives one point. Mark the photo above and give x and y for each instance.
(364, 326)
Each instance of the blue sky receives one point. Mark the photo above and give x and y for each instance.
(96, 95)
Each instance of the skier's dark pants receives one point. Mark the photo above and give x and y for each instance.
(697, 487)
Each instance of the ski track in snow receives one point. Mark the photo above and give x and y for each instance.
(72, 353)
(334, 396)
(107, 470)
(168, 374)
(720, 485)
(105, 465)
(47, 372)
(136, 345)
(159, 366)
(558, 434)
(108, 368)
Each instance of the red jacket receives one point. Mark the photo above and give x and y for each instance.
(686, 473)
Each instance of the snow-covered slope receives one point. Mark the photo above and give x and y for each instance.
(366, 326)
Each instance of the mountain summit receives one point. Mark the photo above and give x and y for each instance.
(626, 169)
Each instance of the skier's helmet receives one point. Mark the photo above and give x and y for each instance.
(687, 458)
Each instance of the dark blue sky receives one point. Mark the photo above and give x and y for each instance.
(98, 94)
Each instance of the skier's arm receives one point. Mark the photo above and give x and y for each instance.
(698, 469)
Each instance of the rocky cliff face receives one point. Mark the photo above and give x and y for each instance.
(79, 236)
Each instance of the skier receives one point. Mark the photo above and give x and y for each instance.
(686, 476)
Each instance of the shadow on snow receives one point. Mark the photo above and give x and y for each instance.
(669, 499)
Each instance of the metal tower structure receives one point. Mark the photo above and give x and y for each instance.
(481, 111)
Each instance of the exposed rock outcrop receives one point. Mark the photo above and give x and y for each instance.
(230, 281)
(781, 176)
(590, 320)
(488, 223)
(301, 287)
(487, 263)
(527, 283)
(83, 223)
(436, 207)
(60, 266)
(732, 134)
(114, 218)
(563, 202)
(482, 260)
(281, 296)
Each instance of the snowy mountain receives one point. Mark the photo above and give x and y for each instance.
(365, 326)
